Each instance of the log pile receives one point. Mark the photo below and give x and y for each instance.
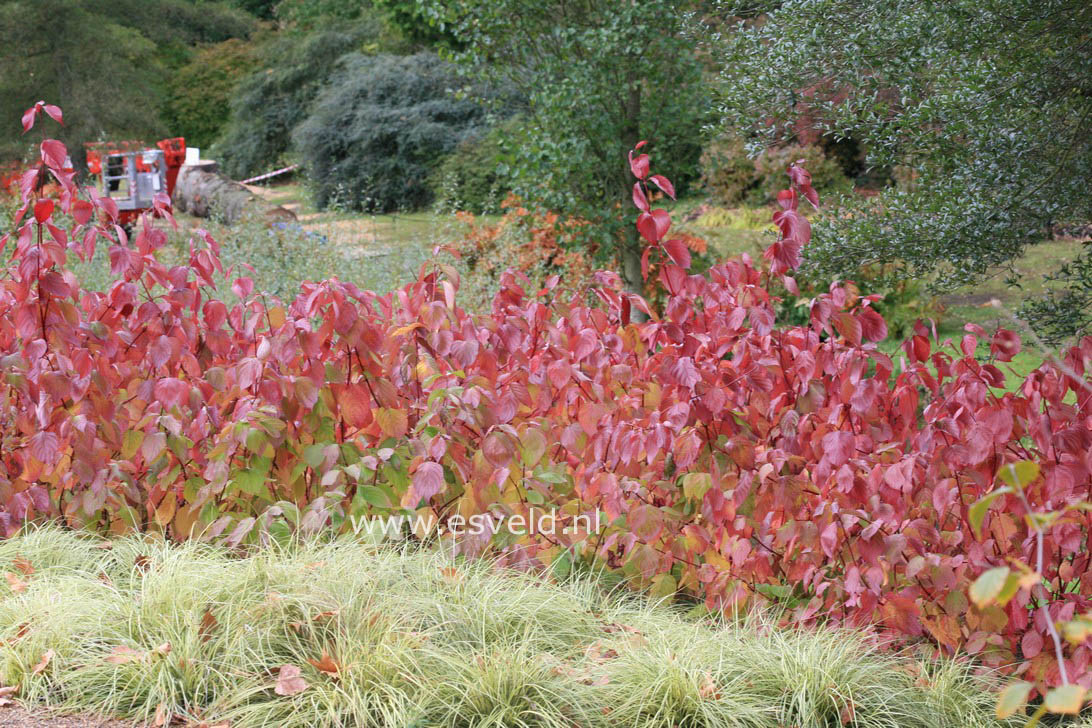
(203, 192)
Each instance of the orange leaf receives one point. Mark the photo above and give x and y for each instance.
(17, 585)
(43, 663)
(122, 654)
(21, 564)
(327, 665)
(208, 623)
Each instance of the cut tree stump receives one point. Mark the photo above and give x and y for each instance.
(203, 192)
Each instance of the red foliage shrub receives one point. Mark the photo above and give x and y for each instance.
(730, 459)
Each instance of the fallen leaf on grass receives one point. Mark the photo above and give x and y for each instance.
(208, 623)
(707, 690)
(16, 584)
(22, 564)
(43, 663)
(160, 715)
(327, 665)
(5, 697)
(289, 681)
(122, 654)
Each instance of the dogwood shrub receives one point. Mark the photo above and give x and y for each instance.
(728, 457)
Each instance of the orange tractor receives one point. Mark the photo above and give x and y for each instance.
(132, 174)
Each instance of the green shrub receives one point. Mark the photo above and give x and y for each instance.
(726, 170)
(199, 94)
(770, 167)
(277, 96)
(476, 176)
(380, 127)
(732, 177)
(1064, 312)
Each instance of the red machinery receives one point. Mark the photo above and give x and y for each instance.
(132, 174)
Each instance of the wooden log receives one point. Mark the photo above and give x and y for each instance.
(203, 192)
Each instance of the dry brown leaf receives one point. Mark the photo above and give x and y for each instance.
(326, 664)
(16, 584)
(122, 654)
(104, 545)
(105, 579)
(326, 615)
(208, 623)
(142, 563)
(451, 574)
(22, 564)
(6, 692)
(162, 651)
(5, 696)
(20, 632)
(160, 715)
(598, 652)
(289, 681)
(43, 663)
(707, 690)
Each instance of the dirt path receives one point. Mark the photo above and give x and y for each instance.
(17, 717)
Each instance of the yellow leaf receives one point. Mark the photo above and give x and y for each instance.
(1065, 699)
(986, 587)
(1013, 698)
(276, 317)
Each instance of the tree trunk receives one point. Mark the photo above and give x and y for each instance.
(631, 243)
(203, 192)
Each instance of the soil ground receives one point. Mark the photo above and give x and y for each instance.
(18, 717)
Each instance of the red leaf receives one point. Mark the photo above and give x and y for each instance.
(848, 326)
(171, 391)
(45, 447)
(640, 201)
(664, 184)
(28, 117)
(639, 165)
(54, 113)
(43, 209)
(679, 252)
(54, 154)
(1005, 345)
(428, 480)
(81, 211)
(497, 449)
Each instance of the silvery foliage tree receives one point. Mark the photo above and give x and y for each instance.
(986, 105)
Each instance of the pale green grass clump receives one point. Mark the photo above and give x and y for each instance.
(138, 628)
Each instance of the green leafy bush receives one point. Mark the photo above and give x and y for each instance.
(199, 94)
(276, 97)
(733, 177)
(727, 173)
(477, 177)
(827, 176)
(1066, 313)
(380, 127)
